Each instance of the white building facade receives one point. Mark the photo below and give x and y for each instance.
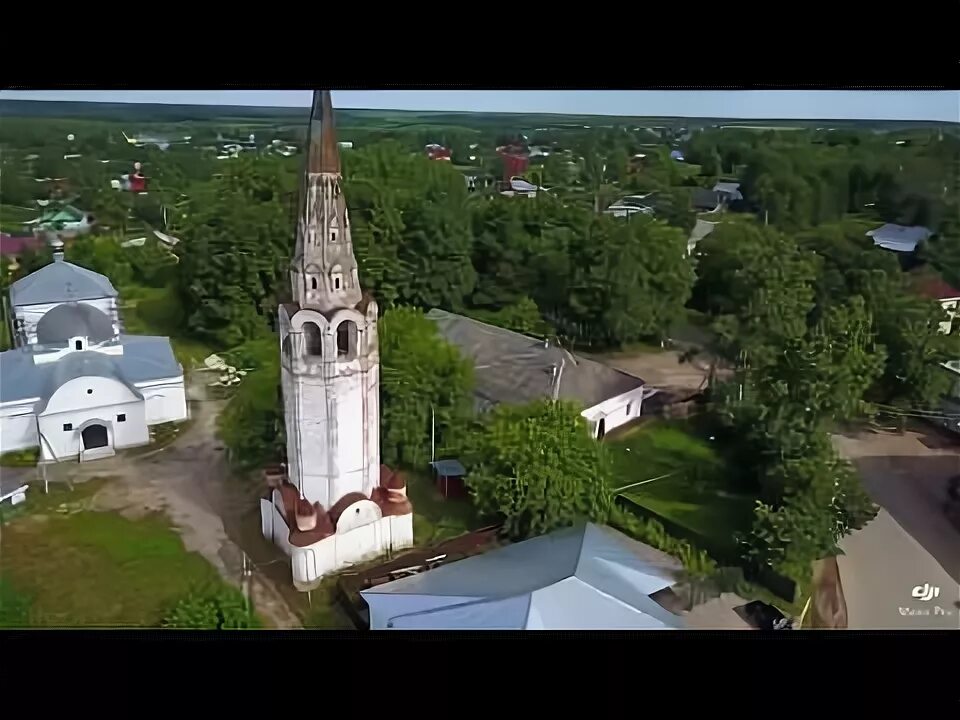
(75, 387)
(336, 506)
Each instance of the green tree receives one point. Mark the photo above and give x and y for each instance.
(537, 468)
(423, 379)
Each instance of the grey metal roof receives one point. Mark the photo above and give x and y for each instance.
(60, 281)
(899, 238)
(727, 187)
(705, 199)
(585, 577)
(515, 368)
(144, 359)
(449, 468)
(72, 320)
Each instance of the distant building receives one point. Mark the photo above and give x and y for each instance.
(515, 368)
(516, 160)
(934, 287)
(438, 152)
(899, 238)
(704, 200)
(729, 191)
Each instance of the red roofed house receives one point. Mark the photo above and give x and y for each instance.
(438, 152)
(936, 288)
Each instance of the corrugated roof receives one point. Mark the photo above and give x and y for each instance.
(585, 577)
(144, 359)
(60, 281)
(515, 368)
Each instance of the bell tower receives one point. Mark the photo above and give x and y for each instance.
(330, 370)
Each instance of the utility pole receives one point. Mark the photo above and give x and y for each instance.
(245, 577)
(433, 434)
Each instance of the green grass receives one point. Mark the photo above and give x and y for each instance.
(697, 493)
(434, 517)
(80, 568)
(20, 458)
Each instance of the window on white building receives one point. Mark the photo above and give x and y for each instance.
(122, 417)
(629, 407)
(67, 427)
(78, 344)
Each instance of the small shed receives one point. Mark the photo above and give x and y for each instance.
(449, 475)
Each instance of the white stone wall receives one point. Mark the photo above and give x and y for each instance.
(30, 315)
(616, 411)
(18, 427)
(342, 549)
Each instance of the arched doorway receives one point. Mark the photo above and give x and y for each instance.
(601, 428)
(94, 436)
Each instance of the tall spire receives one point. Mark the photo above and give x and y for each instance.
(323, 154)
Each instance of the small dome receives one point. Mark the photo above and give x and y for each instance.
(72, 320)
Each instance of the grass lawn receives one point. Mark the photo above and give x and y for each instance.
(79, 568)
(697, 492)
(435, 518)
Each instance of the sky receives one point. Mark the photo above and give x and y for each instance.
(940, 105)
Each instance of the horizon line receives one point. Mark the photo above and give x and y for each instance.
(306, 108)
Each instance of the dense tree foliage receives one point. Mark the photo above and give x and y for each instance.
(536, 467)
(424, 380)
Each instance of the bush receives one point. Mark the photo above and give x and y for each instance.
(20, 458)
(223, 609)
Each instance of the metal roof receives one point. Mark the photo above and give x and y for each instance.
(703, 198)
(899, 238)
(144, 359)
(60, 281)
(449, 468)
(515, 368)
(73, 320)
(585, 577)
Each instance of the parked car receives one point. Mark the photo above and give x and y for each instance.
(766, 616)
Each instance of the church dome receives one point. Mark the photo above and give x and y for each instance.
(74, 320)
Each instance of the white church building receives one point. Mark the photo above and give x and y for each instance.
(337, 505)
(74, 385)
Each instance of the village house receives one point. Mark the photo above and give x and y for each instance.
(74, 385)
(515, 368)
(932, 286)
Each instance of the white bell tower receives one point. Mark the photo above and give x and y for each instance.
(330, 360)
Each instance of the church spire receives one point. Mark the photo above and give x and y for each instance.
(323, 154)
(324, 270)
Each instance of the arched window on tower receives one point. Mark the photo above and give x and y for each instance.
(313, 283)
(312, 340)
(336, 278)
(333, 236)
(347, 340)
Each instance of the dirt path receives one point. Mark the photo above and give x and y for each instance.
(189, 480)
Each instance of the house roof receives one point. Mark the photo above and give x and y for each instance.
(703, 198)
(899, 237)
(730, 188)
(449, 468)
(585, 577)
(16, 244)
(73, 320)
(144, 359)
(935, 287)
(515, 368)
(60, 281)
